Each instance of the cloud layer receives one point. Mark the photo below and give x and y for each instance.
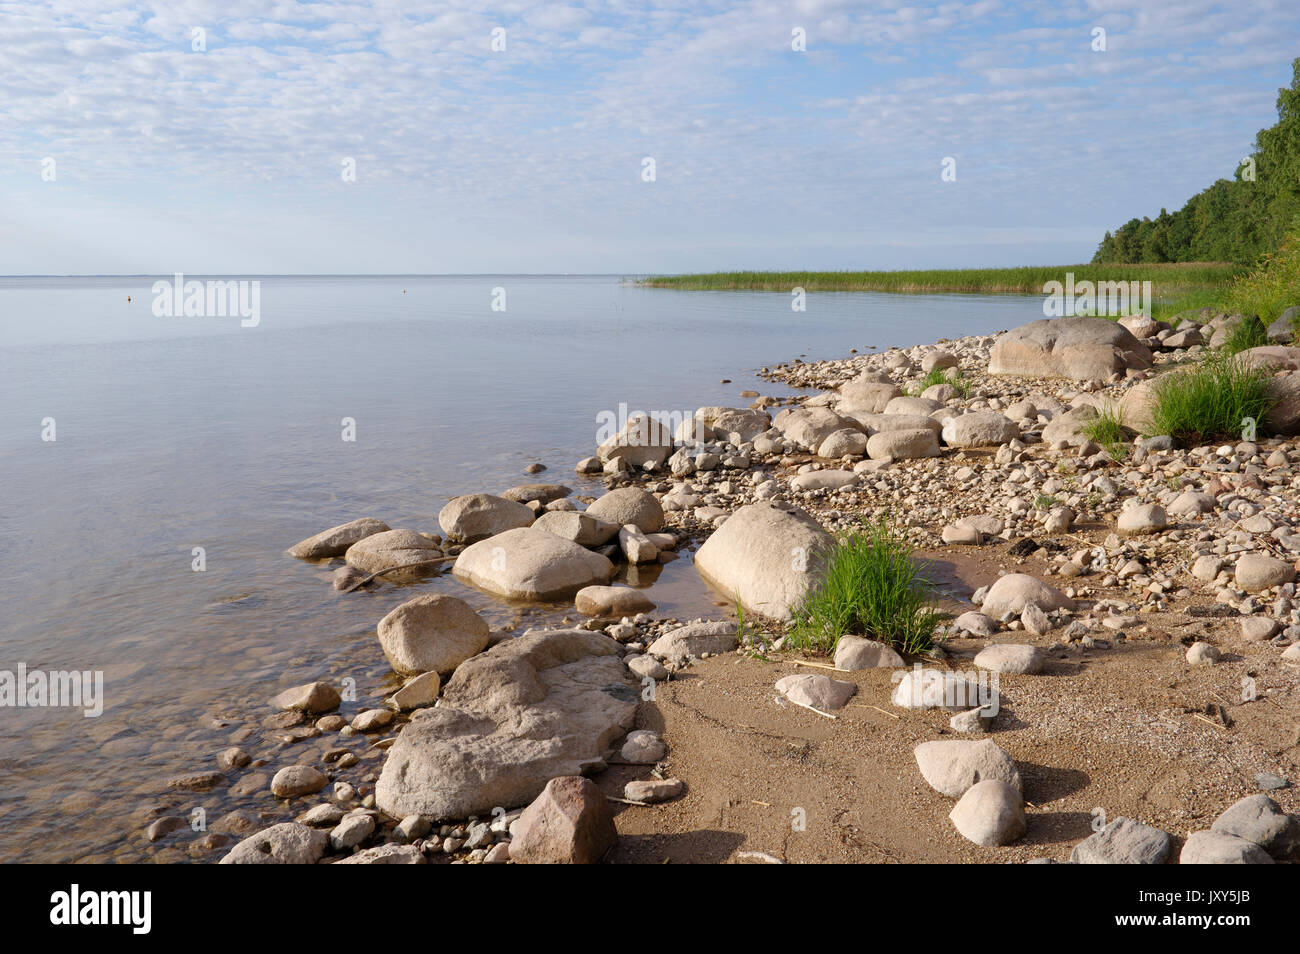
(211, 136)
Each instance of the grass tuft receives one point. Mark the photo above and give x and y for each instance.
(935, 376)
(872, 587)
(1209, 401)
(1245, 334)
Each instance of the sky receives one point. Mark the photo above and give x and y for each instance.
(217, 136)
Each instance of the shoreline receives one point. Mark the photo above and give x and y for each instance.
(1127, 626)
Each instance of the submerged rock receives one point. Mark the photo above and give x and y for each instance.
(394, 548)
(335, 541)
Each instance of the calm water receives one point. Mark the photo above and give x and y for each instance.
(175, 433)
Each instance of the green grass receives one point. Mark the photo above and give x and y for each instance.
(1209, 401)
(1167, 280)
(872, 587)
(1269, 288)
(1246, 334)
(941, 376)
(1105, 428)
(1108, 430)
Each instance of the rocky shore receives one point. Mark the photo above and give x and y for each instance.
(1130, 608)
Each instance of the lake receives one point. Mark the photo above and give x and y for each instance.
(177, 433)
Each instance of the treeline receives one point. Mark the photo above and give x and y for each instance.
(1234, 220)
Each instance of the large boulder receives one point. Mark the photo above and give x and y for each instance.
(867, 397)
(531, 564)
(809, 426)
(642, 440)
(432, 633)
(875, 423)
(335, 541)
(1282, 331)
(1271, 358)
(1080, 349)
(734, 424)
(979, 429)
(473, 517)
(1284, 415)
(765, 557)
(1137, 407)
(544, 705)
(629, 505)
(569, 823)
(916, 406)
(394, 548)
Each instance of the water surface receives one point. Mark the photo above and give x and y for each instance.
(176, 433)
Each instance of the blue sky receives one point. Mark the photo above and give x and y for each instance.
(529, 159)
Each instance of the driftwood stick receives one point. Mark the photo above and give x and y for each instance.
(393, 569)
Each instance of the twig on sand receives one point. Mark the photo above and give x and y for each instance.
(628, 801)
(393, 569)
(762, 856)
(1197, 715)
(858, 705)
(800, 662)
(809, 708)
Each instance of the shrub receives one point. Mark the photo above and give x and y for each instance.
(872, 587)
(1271, 287)
(1209, 401)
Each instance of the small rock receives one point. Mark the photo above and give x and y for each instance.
(653, 790)
(295, 780)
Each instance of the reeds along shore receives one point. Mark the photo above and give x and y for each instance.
(1167, 280)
